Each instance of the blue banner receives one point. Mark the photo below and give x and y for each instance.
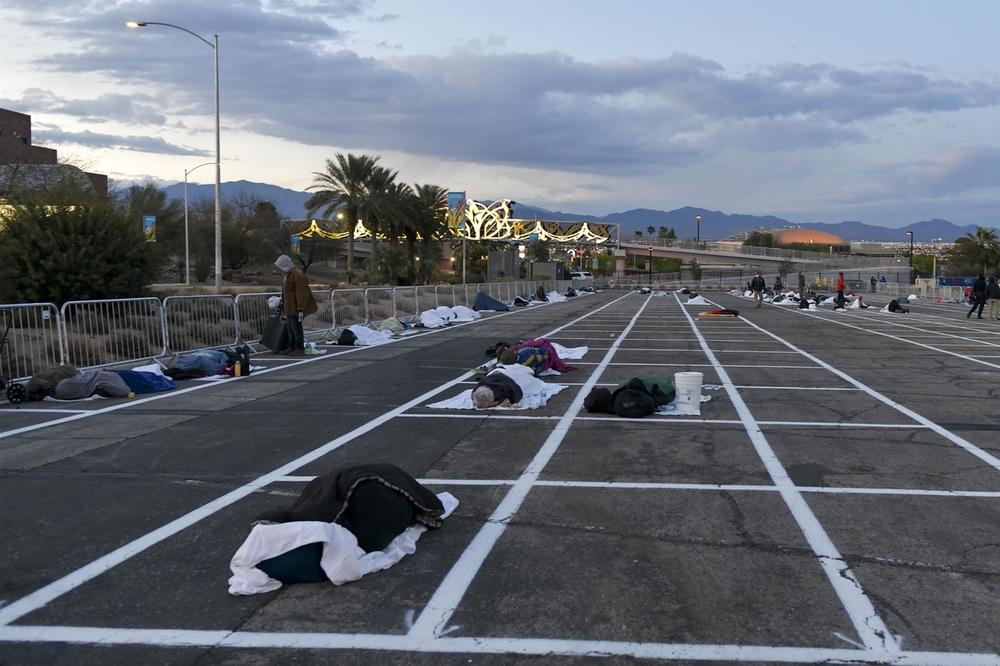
(149, 228)
(455, 200)
(296, 243)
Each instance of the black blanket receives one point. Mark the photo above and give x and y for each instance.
(376, 502)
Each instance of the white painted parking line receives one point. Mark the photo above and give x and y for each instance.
(47, 593)
(867, 621)
(439, 609)
(478, 645)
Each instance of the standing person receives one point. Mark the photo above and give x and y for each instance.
(979, 296)
(757, 287)
(297, 302)
(873, 284)
(840, 291)
(803, 300)
(778, 286)
(993, 298)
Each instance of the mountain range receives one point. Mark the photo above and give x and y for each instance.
(714, 224)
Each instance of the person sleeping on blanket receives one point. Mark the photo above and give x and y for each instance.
(550, 360)
(535, 358)
(496, 389)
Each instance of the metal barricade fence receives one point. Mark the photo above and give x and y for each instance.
(378, 304)
(404, 302)
(348, 307)
(199, 322)
(253, 314)
(458, 293)
(444, 294)
(33, 339)
(105, 332)
(426, 298)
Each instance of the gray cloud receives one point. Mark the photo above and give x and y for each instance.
(384, 18)
(48, 134)
(133, 108)
(284, 75)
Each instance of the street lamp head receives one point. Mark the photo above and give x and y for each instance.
(135, 24)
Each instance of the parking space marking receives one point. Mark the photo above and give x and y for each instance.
(55, 589)
(867, 621)
(435, 615)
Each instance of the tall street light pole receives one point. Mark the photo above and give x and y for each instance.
(697, 228)
(650, 266)
(187, 244)
(912, 280)
(214, 45)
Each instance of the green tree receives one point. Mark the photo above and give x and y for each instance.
(784, 268)
(651, 230)
(978, 252)
(695, 268)
(759, 239)
(671, 234)
(314, 249)
(427, 225)
(343, 186)
(60, 254)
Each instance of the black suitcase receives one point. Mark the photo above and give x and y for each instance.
(275, 336)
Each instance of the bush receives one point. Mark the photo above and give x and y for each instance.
(61, 254)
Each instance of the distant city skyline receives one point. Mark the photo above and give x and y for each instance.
(882, 112)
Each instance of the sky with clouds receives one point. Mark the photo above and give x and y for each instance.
(885, 112)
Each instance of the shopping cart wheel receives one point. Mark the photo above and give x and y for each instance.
(17, 394)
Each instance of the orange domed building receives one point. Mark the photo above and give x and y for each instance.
(806, 237)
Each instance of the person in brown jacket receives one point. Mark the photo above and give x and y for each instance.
(297, 302)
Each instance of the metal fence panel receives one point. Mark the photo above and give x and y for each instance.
(34, 339)
(99, 333)
(426, 298)
(199, 322)
(253, 314)
(348, 307)
(379, 304)
(404, 301)
(445, 295)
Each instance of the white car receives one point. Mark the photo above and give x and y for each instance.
(581, 275)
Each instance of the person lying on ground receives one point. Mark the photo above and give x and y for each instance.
(637, 397)
(551, 361)
(210, 363)
(494, 389)
(532, 357)
(894, 306)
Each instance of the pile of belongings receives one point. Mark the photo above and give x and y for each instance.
(486, 302)
(570, 292)
(555, 297)
(64, 382)
(633, 399)
(348, 523)
(514, 386)
(208, 363)
(394, 325)
(445, 316)
(719, 312)
(362, 336)
(644, 290)
(895, 307)
(858, 304)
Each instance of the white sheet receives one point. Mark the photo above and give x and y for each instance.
(432, 319)
(368, 337)
(697, 300)
(570, 352)
(555, 297)
(342, 560)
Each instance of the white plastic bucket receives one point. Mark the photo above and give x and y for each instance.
(688, 388)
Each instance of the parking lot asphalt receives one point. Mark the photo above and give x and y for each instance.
(836, 500)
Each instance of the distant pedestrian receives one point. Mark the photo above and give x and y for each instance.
(993, 298)
(840, 292)
(803, 299)
(778, 286)
(979, 296)
(882, 279)
(873, 284)
(757, 285)
(297, 302)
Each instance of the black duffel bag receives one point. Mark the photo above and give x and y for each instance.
(275, 336)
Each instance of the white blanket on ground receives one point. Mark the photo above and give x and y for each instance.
(535, 392)
(570, 352)
(697, 300)
(342, 559)
(367, 336)
(555, 297)
(432, 319)
(463, 313)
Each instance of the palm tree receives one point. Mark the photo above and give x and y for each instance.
(429, 223)
(981, 249)
(378, 210)
(343, 186)
(651, 229)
